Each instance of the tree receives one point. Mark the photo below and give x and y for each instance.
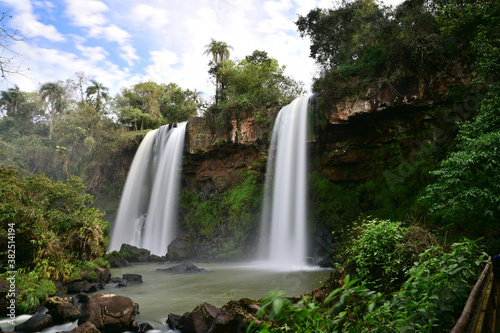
(149, 104)
(465, 195)
(220, 54)
(99, 91)
(11, 100)
(53, 93)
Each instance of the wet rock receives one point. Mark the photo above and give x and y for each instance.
(103, 275)
(110, 313)
(80, 300)
(37, 323)
(120, 282)
(180, 249)
(81, 286)
(174, 321)
(87, 327)
(235, 316)
(155, 258)
(183, 268)
(117, 262)
(53, 302)
(134, 254)
(144, 327)
(64, 312)
(197, 321)
(132, 278)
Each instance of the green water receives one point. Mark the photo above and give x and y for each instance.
(163, 293)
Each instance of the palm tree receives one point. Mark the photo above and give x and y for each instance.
(11, 99)
(99, 91)
(220, 53)
(53, 93)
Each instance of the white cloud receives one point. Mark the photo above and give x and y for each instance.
(51, 65)
(128, 54)
(94, 15)
(154, 17)
(25, 20)
(111, 33)
(87, 13)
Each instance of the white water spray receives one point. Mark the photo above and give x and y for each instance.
(284, 222)
(148, 207)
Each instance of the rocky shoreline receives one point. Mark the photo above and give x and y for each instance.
(80, 302)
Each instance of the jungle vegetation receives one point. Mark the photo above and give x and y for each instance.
(66, 134)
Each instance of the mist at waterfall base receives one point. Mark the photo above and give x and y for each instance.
(283, 236)
(147, 215)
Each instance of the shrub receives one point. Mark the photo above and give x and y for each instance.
(55, 228)
(381, 251)
(429, 301)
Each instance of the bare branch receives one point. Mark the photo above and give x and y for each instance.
(11, 62)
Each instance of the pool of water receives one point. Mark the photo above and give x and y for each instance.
(163, 293)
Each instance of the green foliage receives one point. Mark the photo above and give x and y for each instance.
(373, 43)
(381, 251)
(466, 182)
(55, 227)
(232, 215)
(437, 287)
(151, 105)
(249, 87)
(33, 291)
(332, 205)
(431, 300)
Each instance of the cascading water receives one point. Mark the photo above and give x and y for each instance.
(148, 207)
(284, 231)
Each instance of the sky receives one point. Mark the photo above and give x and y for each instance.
(120, 43)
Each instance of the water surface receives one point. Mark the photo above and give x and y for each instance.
(163, 293)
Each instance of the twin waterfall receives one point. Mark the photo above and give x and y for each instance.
(147, 216)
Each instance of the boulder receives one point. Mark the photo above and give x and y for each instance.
(183, 268)
(81, 287)
(180, 249)
(197, 321)
(235, 316)
(132, 278)
(53, 302)
(37, 323)
(64, 313)
(117, 262)
(134, 254)
(103, 276)
(87, 327)
(144, 327)
(174, 321)
(120, 282)
(155, 258)
(81, 300)
(110, 313)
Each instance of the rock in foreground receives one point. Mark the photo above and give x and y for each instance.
(234, 316)
(110, 313)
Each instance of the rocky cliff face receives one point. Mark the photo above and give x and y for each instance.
(214, 159)
(355, 139)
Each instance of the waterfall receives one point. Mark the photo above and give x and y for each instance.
(284, 231)
(148, 208)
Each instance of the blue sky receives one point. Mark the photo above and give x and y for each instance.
(122, 42)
